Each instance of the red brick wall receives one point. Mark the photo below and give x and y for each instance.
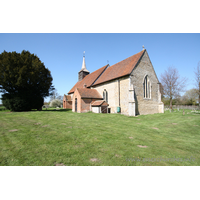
(67, 104)
(76, 95)
(83, 105)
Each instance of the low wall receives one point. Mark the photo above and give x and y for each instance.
(190, 107)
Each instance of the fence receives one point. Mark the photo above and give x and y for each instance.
(190, 107)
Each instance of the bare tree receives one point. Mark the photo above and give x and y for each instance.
(56, 95)
(197, 80)
(172, 83)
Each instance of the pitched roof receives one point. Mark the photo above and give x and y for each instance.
(89, 93)
(67, 97)
(88, 80)
(120, 69)
(98, 103)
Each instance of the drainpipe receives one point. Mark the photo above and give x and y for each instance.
(118, 108)
(119, 91)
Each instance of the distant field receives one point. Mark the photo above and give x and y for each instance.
(60, 137)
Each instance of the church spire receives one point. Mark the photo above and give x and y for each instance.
(83, 72)
(84, 65)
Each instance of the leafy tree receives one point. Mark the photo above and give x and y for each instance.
(172, 83)
(24, 81)
(175, 101)
(55, 103)
(190, 97)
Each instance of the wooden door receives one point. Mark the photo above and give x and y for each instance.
(75, 104)
(103, 109)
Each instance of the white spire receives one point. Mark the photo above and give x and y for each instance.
(84, 65)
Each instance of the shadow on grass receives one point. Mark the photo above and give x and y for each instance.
(197, 113)
(34, 110)
(54, 110)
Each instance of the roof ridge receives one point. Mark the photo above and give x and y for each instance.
(89, 79)
(127, 58)
(120, 69)
(95, 71)
(106, 66)
(106, 73)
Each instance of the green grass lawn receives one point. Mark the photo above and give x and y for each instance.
(60, 137)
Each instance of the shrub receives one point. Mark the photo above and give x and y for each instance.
(56, 103)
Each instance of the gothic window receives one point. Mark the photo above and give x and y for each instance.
(147, 88)
(105, 95)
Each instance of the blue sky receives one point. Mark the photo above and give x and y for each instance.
(58, 32)
(62, 53)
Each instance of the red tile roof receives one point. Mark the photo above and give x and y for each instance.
(98, 103)
(120, 69)
(67, 97)
(89, 93)
(88, 80)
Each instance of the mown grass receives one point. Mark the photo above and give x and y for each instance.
(60, 137)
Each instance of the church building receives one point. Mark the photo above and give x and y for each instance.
(129, 87)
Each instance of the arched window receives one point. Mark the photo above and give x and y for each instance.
(147, 87)
(105, 95)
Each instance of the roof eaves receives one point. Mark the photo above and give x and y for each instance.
(111, 79)
(91, 98)
(98, 104)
